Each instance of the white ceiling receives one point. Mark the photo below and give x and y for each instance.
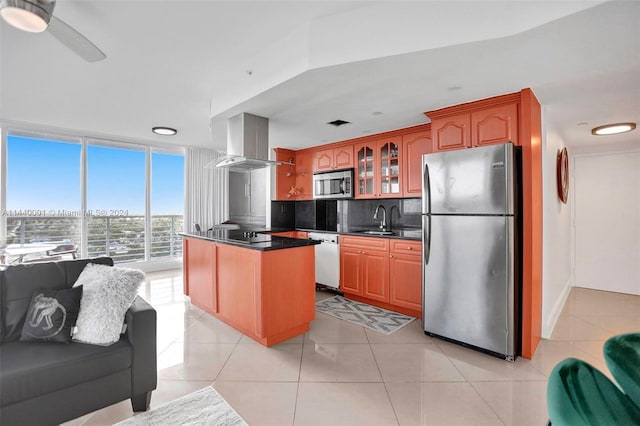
(193, 64)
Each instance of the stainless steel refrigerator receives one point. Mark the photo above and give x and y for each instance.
(470, 260)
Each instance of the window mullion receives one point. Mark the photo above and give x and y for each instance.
(147, 206)
(84, 218)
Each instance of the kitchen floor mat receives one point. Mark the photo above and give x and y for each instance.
(371, 317)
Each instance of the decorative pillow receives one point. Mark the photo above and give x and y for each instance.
(52, 315)
(108, 292)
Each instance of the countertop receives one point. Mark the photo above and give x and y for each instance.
(271, 242)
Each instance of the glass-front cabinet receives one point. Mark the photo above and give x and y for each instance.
(378, 168)
(364, 170)
(389, 177)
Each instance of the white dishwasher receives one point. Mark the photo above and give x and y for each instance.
(327, 259)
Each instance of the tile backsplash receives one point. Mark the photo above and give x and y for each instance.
(400, 212)
(350, 214)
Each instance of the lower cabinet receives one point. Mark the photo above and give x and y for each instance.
(383, 272)
(405, 274)
(200, 273)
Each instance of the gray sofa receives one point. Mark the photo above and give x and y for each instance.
(50, 383)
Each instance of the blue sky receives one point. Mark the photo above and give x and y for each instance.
(45, 175)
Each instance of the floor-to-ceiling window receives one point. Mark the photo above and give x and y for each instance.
(121, 200)
(167, 195)
(116, 187)
(43, 190)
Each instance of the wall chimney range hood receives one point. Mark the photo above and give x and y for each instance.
(247, 144)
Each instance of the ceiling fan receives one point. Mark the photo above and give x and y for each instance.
(36, 16)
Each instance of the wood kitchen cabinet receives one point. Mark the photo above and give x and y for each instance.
(294, 182)
(480, 123)
(199, 273)
(350, 270)
(366, 267)
(378, 168)
(414, 146)
(452, 132)
(405, 274)
(329, 159)
(495, 125)
(375, 275)
(304, 174)
(285, 175)
(382, 272)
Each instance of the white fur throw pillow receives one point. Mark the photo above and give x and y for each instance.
(108, 292)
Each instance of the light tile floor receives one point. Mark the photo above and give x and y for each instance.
(342, 374)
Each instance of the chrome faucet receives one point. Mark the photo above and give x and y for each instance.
(383, 222)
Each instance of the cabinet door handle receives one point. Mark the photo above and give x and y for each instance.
(390, 255)
(410, 248)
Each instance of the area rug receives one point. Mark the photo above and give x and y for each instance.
(372, 317)
(203, 408)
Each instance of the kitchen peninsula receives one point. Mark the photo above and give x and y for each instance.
(261, 285)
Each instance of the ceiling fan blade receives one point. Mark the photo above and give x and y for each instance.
(75, 41)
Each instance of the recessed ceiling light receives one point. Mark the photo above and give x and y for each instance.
(584, 123)
(376, 113)
(612, 129)
(165, 131)
(454, 88)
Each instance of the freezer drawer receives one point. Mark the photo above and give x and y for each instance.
(469, 280)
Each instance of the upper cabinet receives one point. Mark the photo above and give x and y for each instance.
(495, 125)
(378, 167)
(304, 174)
(387, 165)
(414, 146)
(389, 178)
(294, 182)
(329, 159)
(285, 175)
(480, 123)
(452, 132)
(364, 178)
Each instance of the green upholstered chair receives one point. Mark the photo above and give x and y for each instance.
(622, 354)
(579, 394)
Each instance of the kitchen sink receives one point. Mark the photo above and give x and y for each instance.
(377, 232)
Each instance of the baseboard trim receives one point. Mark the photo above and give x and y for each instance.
(550, 322)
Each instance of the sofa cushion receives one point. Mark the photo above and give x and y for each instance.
(52, 315)
(18, 282)
(108, 293)
(30, 369)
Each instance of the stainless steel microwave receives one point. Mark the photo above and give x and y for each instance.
(338, 184)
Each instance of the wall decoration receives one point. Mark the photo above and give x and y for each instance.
(562, 175)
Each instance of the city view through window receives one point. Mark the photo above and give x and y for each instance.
(45, 199)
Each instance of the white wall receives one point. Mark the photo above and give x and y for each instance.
(556, 237)
(607, 221)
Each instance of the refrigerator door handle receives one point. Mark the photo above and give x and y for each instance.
(426, 209)
(427, 238)
(426, 188)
